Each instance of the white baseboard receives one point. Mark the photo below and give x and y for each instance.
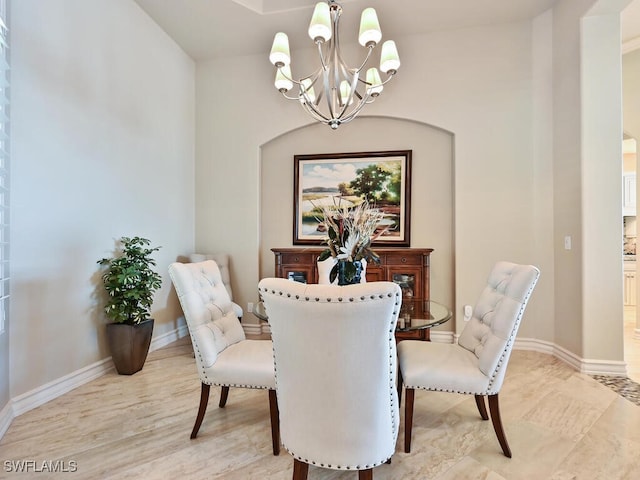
(41, 395)
(6, 417)
(169, 337)
(437, 336)
(583, 365)
(253, 328)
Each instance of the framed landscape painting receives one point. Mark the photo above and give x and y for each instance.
(348, 179)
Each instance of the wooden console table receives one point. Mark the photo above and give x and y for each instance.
(408, 267)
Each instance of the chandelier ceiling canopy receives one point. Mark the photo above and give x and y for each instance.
(335, 93)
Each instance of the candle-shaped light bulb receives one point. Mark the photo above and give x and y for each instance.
(389, 59)
(307, 87)
(283, 79)
(320, 26)
(345, 90)
(375, 86)
(280, 55)
(370, 33)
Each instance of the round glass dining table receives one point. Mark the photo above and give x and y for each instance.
(413, 315)
(420, 315)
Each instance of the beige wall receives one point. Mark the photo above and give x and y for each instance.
(476, 83)
(103, 146)
(587, 169)
(431, 191)
(601, 104)
(92, 110)
(515, 99)
(631, 93)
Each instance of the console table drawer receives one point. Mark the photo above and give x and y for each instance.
(402, 259)
(305, 258)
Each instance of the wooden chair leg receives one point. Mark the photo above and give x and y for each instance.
(494, 408)
(275, 422)
(224, 394)
(408, 418)
(204, 400)
(300, 470)
(365, 474)
(482, 407)
(399, 387)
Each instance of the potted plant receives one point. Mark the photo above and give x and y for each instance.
(130, 282)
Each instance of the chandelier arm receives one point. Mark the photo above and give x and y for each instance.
(352, 90)
(337, 49)
(313, 78)
(357, 109)
(350, 74)
(352, 114)
(315, 112)
(318, 98)
(291, 79)
(362, 65)
(321, 54)
(319, 118)
(388, 79)
(299, 82)
(284, 94)
(311, 108)
(371, 98)
(328, 93)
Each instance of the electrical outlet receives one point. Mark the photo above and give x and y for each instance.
(567, 242)
(468, 311)
(249, 306)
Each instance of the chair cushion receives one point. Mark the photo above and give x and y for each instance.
(440, 367)
(244, 364)
(215, 336)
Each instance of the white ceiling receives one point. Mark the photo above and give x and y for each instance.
(213, 28)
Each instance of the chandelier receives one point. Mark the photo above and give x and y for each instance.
(335, 93)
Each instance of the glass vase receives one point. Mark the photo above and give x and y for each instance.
(349, 273)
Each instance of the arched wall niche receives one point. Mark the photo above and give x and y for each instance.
(432, 186)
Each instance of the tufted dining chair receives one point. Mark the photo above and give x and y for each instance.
(477, 364)
(223, 262)
(335, 361)
(224, 357)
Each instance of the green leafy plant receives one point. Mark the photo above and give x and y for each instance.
(130, 281)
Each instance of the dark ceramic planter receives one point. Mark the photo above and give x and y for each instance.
(129, 345)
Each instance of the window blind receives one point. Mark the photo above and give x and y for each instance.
(4, 164)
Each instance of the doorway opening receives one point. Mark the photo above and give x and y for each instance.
(631, 286)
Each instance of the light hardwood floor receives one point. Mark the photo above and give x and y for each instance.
(561, 425)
